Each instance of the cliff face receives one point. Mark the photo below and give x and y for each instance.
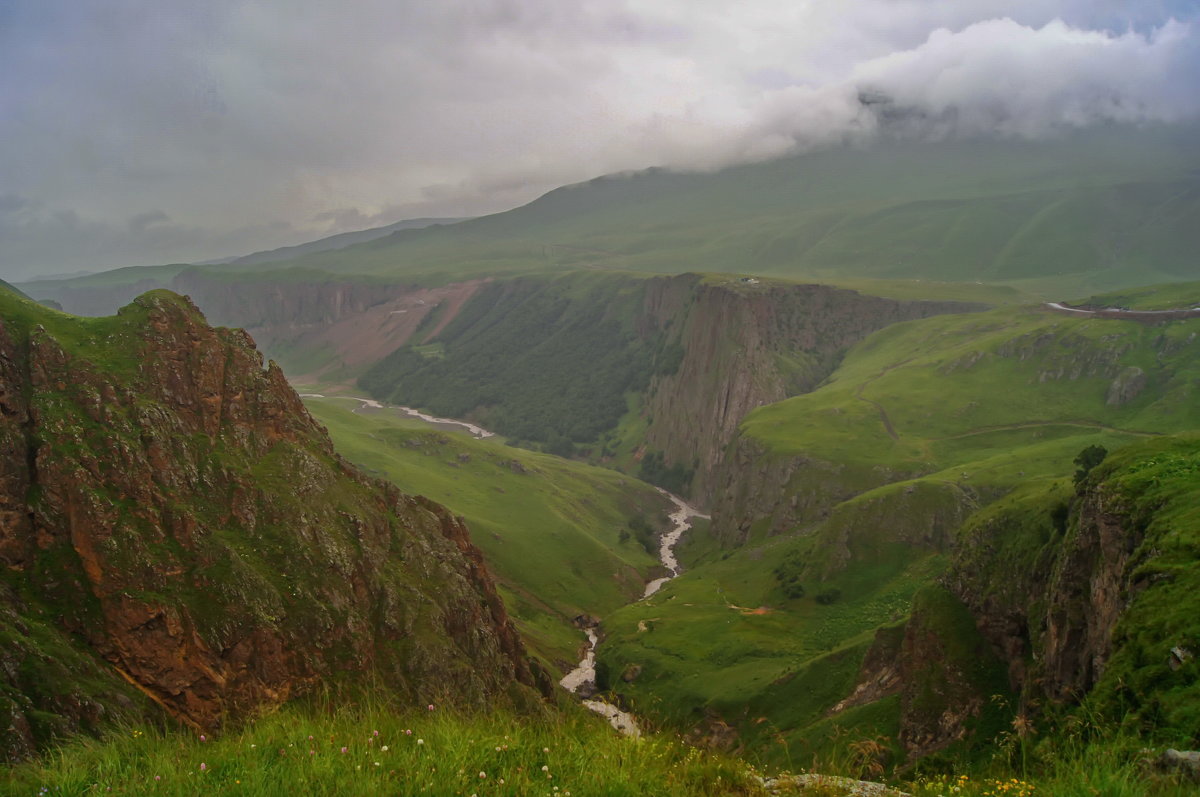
(1051, 582)
(745, 344)
(169, 504)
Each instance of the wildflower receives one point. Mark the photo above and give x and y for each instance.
(497, 749)
(344, 750)
(420, 741)
(203, 767)
(253, 746)
(375, 734)
(483, 774)
(158, 777)
(545, 768)
(408, 731)
(376, 763)
(430, 707)
(384, 748)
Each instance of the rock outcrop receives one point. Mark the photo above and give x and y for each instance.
(171, 512)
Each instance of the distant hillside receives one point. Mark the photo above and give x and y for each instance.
(1091, 211)
(1088, 212)
(339, 241)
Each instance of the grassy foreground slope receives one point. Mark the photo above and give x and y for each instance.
(864, 484)
(561, 537)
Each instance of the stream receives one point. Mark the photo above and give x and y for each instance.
(478, 431)
(584, 676)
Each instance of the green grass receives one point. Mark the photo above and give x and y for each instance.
(961, 388)
(111, 343)
(328, 747)
(348, 750)
(557, 534)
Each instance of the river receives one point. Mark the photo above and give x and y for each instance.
(583, 677)
(446, 423)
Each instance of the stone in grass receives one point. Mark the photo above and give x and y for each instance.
(1181, 762)
(832, 784)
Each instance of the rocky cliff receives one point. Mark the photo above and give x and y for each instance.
(1092, 591)
(747, 343)
(1056, 596)
(170, 512)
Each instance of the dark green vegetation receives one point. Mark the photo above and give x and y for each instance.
(550, 363)
(562, 538)
(180, 539)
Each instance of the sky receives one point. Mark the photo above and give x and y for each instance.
(136, 132)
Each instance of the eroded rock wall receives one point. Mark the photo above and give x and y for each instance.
(167, 501)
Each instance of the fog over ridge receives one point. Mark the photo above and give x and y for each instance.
(140, 132)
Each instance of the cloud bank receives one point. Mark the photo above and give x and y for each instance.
(142, 132)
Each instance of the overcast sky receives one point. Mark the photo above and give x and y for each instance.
(135, 132)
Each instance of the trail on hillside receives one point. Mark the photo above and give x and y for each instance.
(1121, 314)
(883, 416)
(1034, 424)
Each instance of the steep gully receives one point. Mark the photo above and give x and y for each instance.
(583, 677)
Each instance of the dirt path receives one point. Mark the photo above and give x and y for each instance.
(1120, 314)
(883, 416)
(1034, 424)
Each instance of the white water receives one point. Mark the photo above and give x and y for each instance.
(585, 673)
(477, 431)
(681, 521)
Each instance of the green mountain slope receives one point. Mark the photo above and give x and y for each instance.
(841, 508)
(1090, 211)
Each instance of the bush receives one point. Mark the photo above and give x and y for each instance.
(828, 596)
